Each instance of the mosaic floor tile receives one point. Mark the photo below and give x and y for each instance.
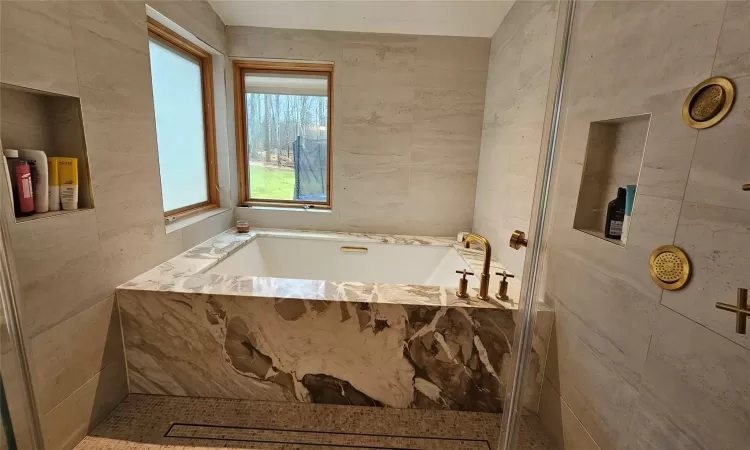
(149, 422)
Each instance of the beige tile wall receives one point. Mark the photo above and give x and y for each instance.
(514, 118)
(28, 58)
(631, 366)
(68, 266)
(406, 127)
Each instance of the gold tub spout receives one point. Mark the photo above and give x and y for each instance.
(484, 285)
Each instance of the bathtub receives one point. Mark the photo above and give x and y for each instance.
(341, 261)
(337, 266)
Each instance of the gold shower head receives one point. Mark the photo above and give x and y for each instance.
(669, 267)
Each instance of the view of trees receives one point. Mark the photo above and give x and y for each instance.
(274, 121)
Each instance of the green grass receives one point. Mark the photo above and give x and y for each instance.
(271, 183)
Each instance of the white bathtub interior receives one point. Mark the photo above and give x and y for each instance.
(316, 259)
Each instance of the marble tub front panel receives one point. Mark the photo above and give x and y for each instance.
(317, 351)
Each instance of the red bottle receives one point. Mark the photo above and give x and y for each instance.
(24, 191)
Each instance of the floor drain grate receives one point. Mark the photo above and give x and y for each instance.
(312, 439)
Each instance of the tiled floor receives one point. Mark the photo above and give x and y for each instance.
(146, 422)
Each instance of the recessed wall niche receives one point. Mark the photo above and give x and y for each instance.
(614, 155)
(31, 119)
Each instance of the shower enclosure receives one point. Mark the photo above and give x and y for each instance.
(648, 349)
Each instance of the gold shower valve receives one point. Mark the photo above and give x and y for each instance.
(742, 310)
(669, 267)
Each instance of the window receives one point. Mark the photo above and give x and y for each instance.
(283, 126)
(181, 77)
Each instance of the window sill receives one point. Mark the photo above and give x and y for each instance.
(193, 219)
(283, 208)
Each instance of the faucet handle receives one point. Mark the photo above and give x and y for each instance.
(505, 274)
(502, 290)
(463, 284)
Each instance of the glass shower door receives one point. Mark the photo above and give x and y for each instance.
(18, 413)
(640, 355)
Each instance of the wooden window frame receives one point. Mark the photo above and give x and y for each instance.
(240, 68)
(179, 44)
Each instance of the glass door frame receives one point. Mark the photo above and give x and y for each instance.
(531, 287)
(11, 324)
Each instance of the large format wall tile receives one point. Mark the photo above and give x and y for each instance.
(117, 108)
(205, 229)
(695, 393)
(560, 421)
(721, 160)
(101, 29)
(68, 355)
(608, 315)
(717, 240)
(669, 147)
(431, 189)
(16, 409)
(254, 42)
(515, 106)
(66, 424)
(623, 49)
(50, 271)
(733, 52)
(198, 18)
(583, 367)
(37, 47)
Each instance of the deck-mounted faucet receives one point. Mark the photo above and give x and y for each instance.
(484, 284)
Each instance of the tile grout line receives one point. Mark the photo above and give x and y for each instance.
(573, 414)
(81, 386)
(707, 328)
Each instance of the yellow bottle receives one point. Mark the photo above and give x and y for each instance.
(67, 177)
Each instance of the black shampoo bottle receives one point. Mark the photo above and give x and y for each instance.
(615, 215)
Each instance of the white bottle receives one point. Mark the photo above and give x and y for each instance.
(41, 197)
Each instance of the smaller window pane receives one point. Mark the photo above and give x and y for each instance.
(287, 137)
(180, 134)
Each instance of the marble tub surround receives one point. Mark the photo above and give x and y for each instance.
(192, 332)
(187, 273)
(313, 351)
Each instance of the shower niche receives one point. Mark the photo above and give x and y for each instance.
(614, 155)
(39, 120)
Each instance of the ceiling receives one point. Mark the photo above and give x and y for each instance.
(432, 17)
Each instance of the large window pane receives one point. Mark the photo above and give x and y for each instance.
(178, 103)
(287, 137)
